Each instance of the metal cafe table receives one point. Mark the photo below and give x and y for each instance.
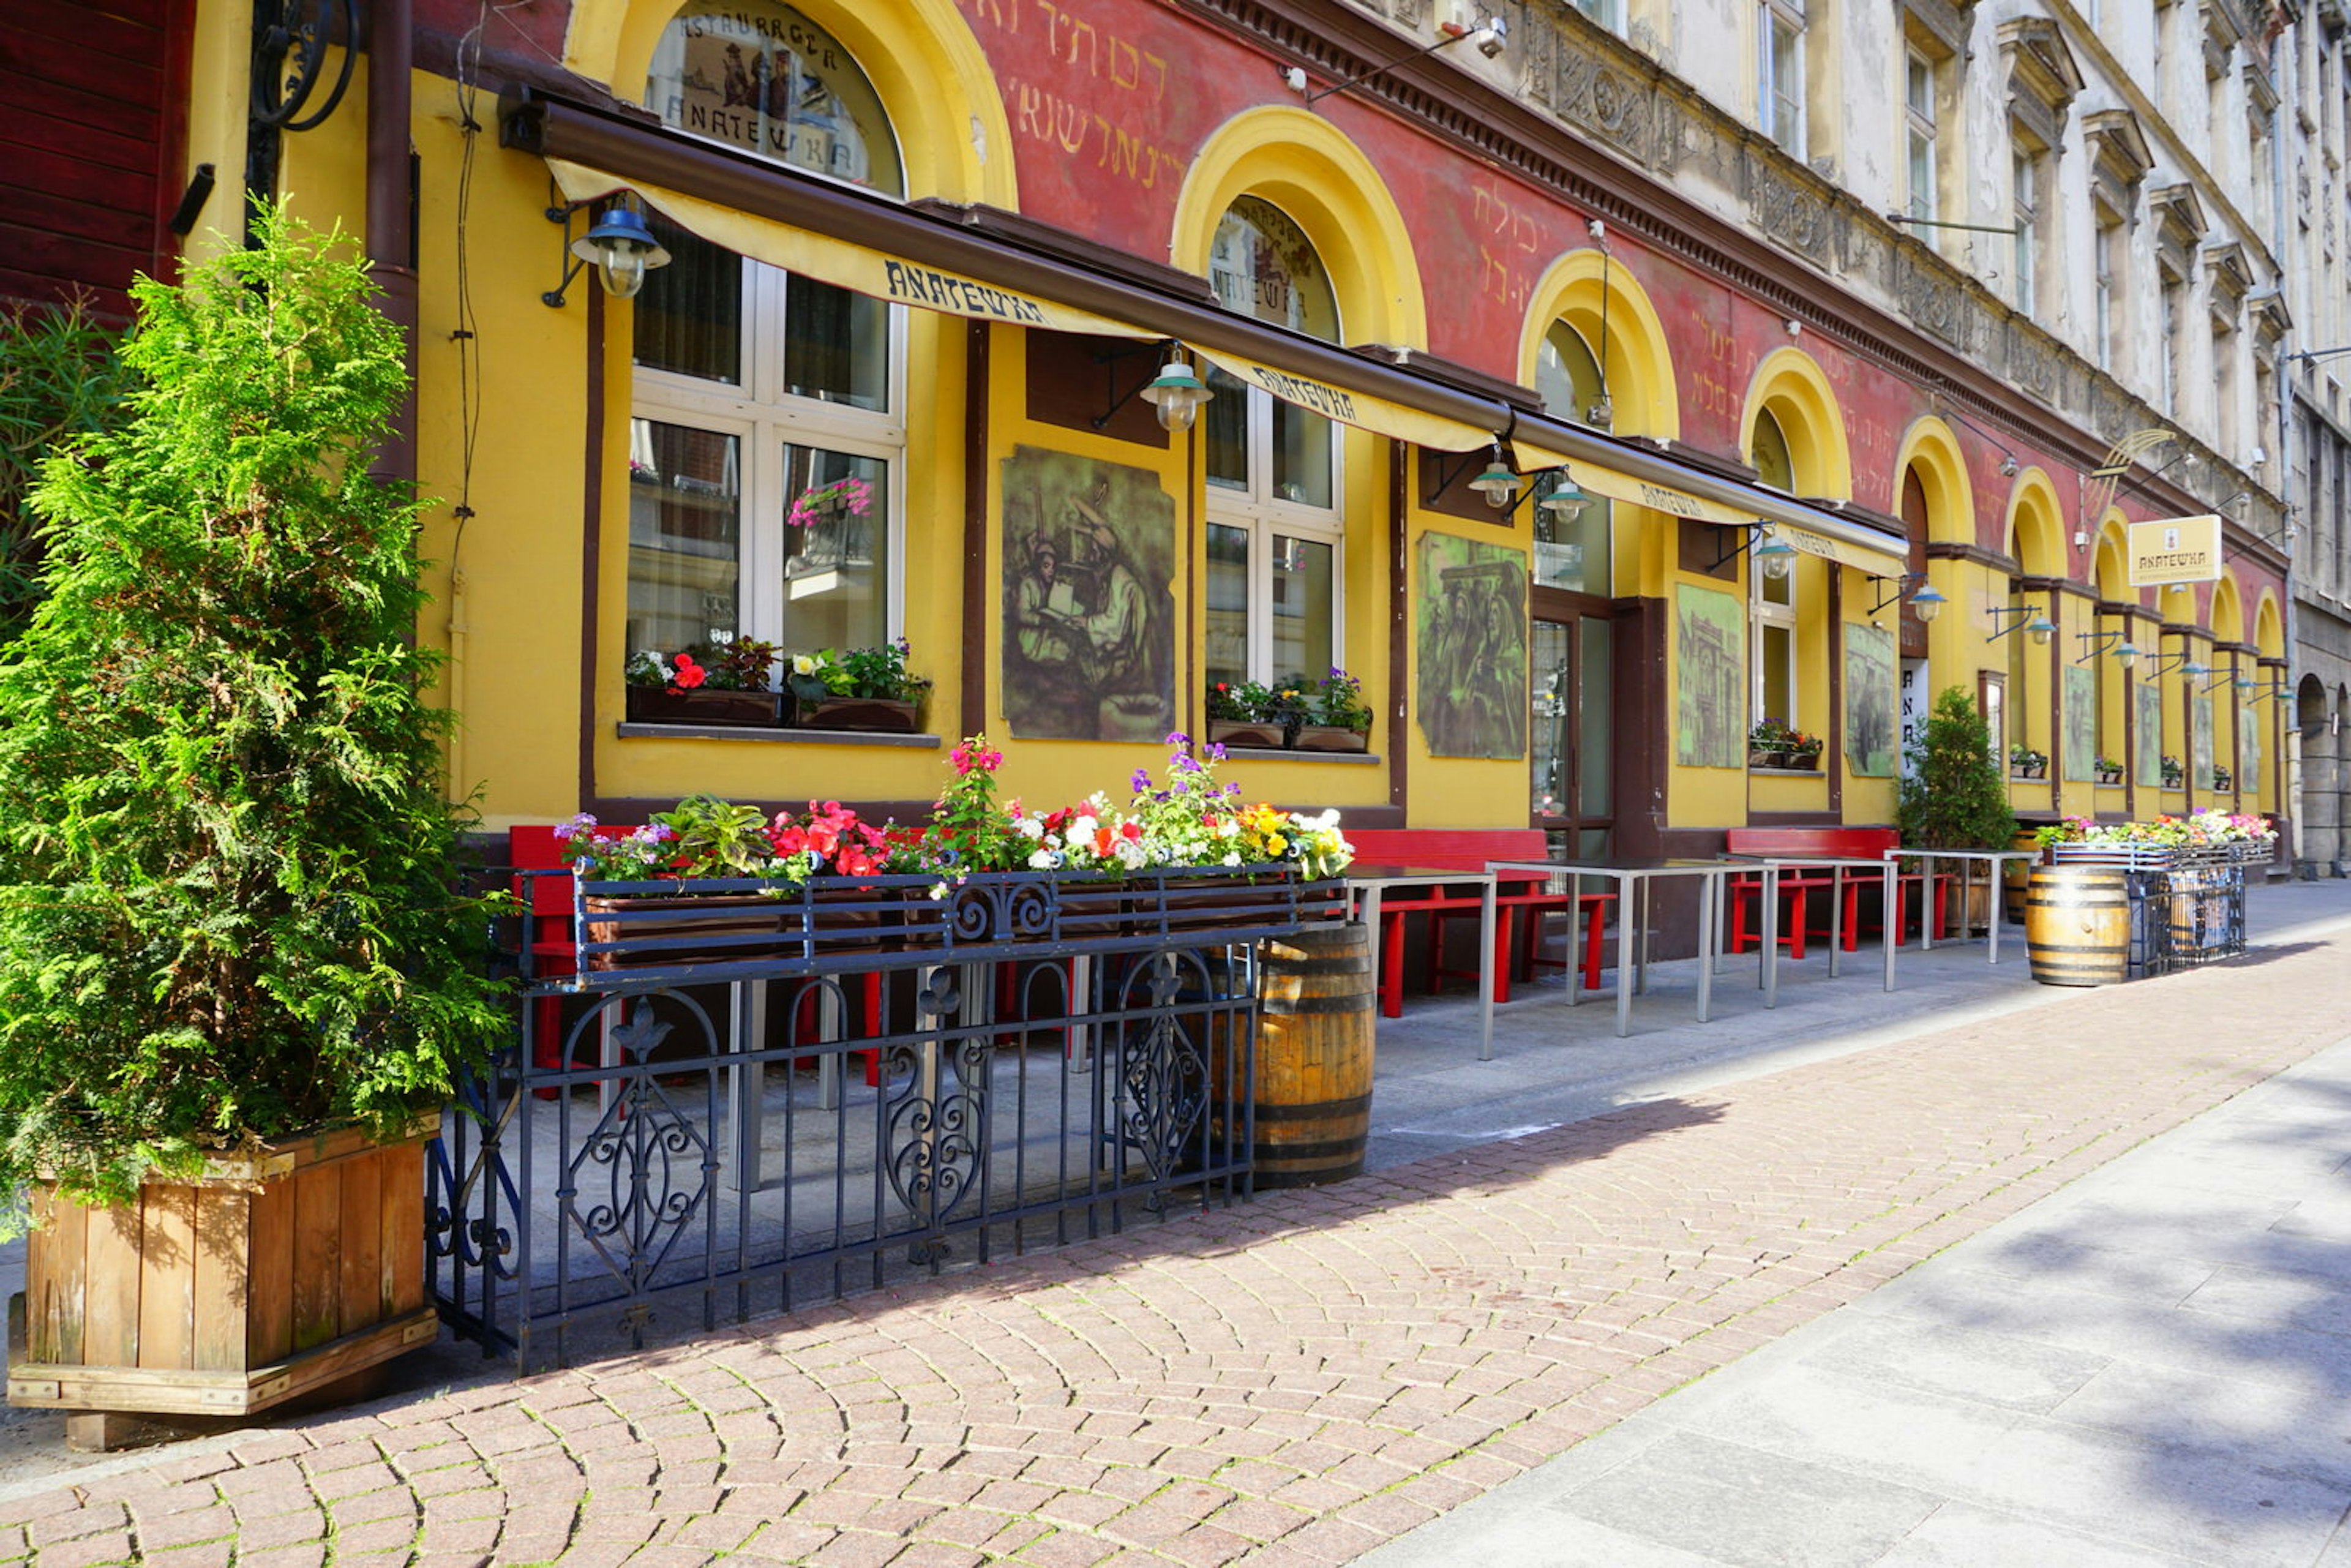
(1634, 878)
(1886, 870)
(1996, 864)
(1366, 882)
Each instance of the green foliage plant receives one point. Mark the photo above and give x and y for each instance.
(1954, 797)
(228, 896)
(59, 379)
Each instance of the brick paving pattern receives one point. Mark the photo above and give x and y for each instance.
(1289, 1382)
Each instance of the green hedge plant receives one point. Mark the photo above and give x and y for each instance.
(228, 905)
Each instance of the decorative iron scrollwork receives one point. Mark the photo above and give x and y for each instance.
(291, 42)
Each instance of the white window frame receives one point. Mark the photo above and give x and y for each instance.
(1763, 613)
(2025, 202)
(765, 419)
(1920, 132)
(1779, 105)
(1263, 515)
(2104, 238)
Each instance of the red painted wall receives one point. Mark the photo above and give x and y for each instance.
(93, 100)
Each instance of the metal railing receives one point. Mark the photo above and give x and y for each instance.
(746, 1098)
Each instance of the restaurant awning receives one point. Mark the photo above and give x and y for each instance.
(886, 248)
(1622, 471)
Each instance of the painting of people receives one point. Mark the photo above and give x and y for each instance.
(1471, 697)
(2146, 753)
(1709, 715)
(1870, 733)
(1089, 635)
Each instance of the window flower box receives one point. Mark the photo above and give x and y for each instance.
(659, 705)
(879, 716)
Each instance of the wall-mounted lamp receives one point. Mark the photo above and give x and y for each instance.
(1490, 37)
(1498, 482)
(2230, 678)
(2126, 655)
(619, 244)
(1564, 499)
(2040, 627)
(1773, 556)
(1175, 394)
(2273, 690)
(1912, 588)
(2008, 466)
(2166, 663)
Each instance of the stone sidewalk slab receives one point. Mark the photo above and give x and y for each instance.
(2149, 1366)
(1310, 1377)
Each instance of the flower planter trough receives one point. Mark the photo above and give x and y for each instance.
(268, 1280)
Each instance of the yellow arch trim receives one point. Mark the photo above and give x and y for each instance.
(2269, 626)
(2228, 609)
(2035, 522)
(1798, 393)
(2111, 574)
(1639, 364)
(1933, 448)
(1307, 167)
(953, 134)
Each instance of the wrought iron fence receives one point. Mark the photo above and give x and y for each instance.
(744, 1101)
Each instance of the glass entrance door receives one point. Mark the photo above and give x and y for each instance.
(1571, 752)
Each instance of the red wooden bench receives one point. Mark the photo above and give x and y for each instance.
(1848, 843)
(548, 934)
(1459, 849)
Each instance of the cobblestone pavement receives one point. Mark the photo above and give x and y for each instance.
(1293, 1381)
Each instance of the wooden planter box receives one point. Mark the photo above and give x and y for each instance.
(1328, 738)
(659, 705)
(267, 1279)
(875, 715)
(1260, 732)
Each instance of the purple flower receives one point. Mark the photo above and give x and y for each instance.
(1141, 782)
(1217, 753)
(1177, 737)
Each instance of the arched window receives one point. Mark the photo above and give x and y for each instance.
(1772, 600)
(1573, 553)
(769, 435)
(759, 76)
(1273, 534)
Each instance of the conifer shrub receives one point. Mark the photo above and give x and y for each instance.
(1954, 796)
(228, 900)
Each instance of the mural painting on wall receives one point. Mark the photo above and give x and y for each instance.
(2199, 742)
(2146, 751)
(1472, 694)
(2079, 759)
(1089, 573)
(2249, 748)
(1871, 733)
(1709, 722)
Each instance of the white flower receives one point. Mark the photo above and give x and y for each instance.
(1041, 860)
(938, 890)
(1232, 857)
(1029, 828)
(1081, 829)
(803, 664)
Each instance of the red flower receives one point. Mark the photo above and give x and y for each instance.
(687, 674)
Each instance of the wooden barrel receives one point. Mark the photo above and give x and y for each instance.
(2077, 925)
(1313, 1056)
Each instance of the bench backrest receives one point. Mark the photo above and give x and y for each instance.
(1865, 843)
(536, 848)
(1447, 849)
